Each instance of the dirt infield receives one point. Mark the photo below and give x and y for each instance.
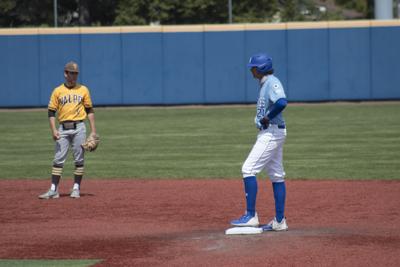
(182, 223)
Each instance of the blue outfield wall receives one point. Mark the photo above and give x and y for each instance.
(19, 71)
(349, 64)
(205, 64)
(308, 65)
(385, 62)
(142, 68)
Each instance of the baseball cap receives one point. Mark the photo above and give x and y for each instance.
(71, 67)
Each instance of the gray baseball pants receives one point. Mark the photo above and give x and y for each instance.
(74, 138)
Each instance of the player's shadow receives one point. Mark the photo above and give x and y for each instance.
(82, 195)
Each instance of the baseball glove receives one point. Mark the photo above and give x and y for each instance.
(91, 143)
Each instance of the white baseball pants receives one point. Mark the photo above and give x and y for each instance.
(267, 154)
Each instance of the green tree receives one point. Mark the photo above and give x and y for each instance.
(299, 10)
(365, 7)
(141, 12)
(34, 13)
(16, 13)
(255, 11)
(358, 5)
(289, 12)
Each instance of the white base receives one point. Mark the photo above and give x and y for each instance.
(243, 231)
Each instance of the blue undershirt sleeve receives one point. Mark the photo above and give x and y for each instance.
(277, 108)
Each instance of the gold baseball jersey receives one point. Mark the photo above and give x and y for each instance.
(69, 103)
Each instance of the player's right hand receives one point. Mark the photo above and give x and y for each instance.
(264, 122)
(56, 135)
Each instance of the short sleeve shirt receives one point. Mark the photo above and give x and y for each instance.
(270, 91)
(70, 103)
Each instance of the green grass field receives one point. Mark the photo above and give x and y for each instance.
(342, 140)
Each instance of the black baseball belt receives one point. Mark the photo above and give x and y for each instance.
(70, 125)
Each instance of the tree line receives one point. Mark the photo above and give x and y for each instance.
(40, 13)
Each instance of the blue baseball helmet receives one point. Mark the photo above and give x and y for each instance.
(262, 62)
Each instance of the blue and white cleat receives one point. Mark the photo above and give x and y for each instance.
(274, 225)
(246, 220)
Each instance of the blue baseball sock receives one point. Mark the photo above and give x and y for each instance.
(250, 188)
(280, 196)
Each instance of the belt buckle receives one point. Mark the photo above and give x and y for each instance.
(71, 125)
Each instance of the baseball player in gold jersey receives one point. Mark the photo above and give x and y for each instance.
(72, 103)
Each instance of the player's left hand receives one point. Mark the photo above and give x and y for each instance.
(265, 122)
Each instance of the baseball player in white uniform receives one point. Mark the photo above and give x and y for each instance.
(266, 153)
